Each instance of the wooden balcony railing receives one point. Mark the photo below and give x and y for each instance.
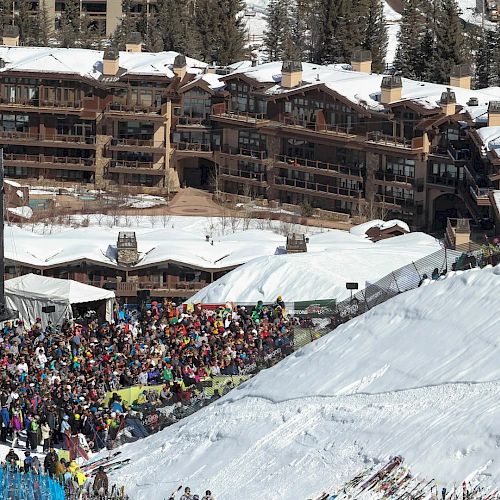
(41, 103)
(118, 107)
(389, 140)
(317, 187)
(386, 176)
(192, 146)
(62, 160)
(243, 174)
(132, 164)
(190, 121)
(394, 200)
(149, 143)
(442, 180)
(315, 165)
(66, 138)
(259, 155)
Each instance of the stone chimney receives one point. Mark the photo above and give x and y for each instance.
(126, 249)
(110, 62)
(391, 89)
(361, 60)
(134, 42)
(494, 114)
(448, 102)
(10, 36)
(461, 76)
(180, 66)
(291, 74)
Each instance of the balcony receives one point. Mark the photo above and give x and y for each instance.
(291, 122)
(481, 195)
(442, 181)
(139, 145)
(189, 121)
(450, 152)
(394, 142)
(314, 188)
(136, 167)
(244, 176)
(389, 177)
(196, 149)
(395, 201)
(178, 289)
(54, 106)
(71, 141)
(219, 113)
(135, 111)
(227, 151)
(318, 167)
(52, 162)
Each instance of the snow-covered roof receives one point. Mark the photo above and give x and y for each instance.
(361, 229)
(364, 89)
(88, 63)
(416, 376)
(332, 259)
(23, 212)
(33, 286)
(98, 244)
(490, 137)
(211, 79)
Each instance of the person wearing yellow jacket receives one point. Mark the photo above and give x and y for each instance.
(77, 473)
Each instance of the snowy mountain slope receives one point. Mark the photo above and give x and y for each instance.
(332, 259)
(417, 376)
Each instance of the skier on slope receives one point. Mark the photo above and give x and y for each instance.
(208, 496)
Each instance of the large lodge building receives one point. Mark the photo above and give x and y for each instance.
(332, 137)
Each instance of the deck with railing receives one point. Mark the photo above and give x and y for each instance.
(390, 177)
(243, 175)
(13, 137)
(46, 161)
(316, 188)
(318, 167)
(136, 167)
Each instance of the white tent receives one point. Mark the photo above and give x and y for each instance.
(30, 293)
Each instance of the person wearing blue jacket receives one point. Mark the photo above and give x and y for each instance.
(5, 423)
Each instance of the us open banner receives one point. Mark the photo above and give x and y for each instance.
(312, 308)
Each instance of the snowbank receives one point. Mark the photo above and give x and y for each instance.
(416, 376)
(332, 259)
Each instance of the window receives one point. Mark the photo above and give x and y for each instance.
(251, 140)
(400, 166)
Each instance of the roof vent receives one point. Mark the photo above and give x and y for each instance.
(291, 74)
(391, 89)
(361, 60)
(473, 101)
(448, 102)
(10, 36)
(180, 65)
(126, 249)
(110, 62)
(134, 42)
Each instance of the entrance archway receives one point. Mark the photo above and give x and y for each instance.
(197, 172)
(446, 206)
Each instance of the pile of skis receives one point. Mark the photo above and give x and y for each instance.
(394, 481)
(109, 464)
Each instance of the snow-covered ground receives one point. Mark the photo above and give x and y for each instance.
(332, 259)
(417, 376)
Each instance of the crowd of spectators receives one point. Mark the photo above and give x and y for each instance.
(55, 377)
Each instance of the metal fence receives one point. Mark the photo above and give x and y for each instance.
(15, 485)
(309, 327)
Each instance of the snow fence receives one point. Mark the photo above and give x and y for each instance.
(28, 486)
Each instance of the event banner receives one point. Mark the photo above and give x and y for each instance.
(312, 308)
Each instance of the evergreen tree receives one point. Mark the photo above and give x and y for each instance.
(277, 27)
(175, 27)
(43, 28)
(231, 43)
(495, 59)
(425, 71)
(485, 61)
(221, 30)
(407, 60)
(69, 31)
(127, 26)
(24, 20)
(375, 34)
(6, 15)
(300, 28)
(449, 40)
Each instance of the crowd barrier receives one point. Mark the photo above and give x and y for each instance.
(17, 485)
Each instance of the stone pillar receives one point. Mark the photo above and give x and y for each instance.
(100, 160)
